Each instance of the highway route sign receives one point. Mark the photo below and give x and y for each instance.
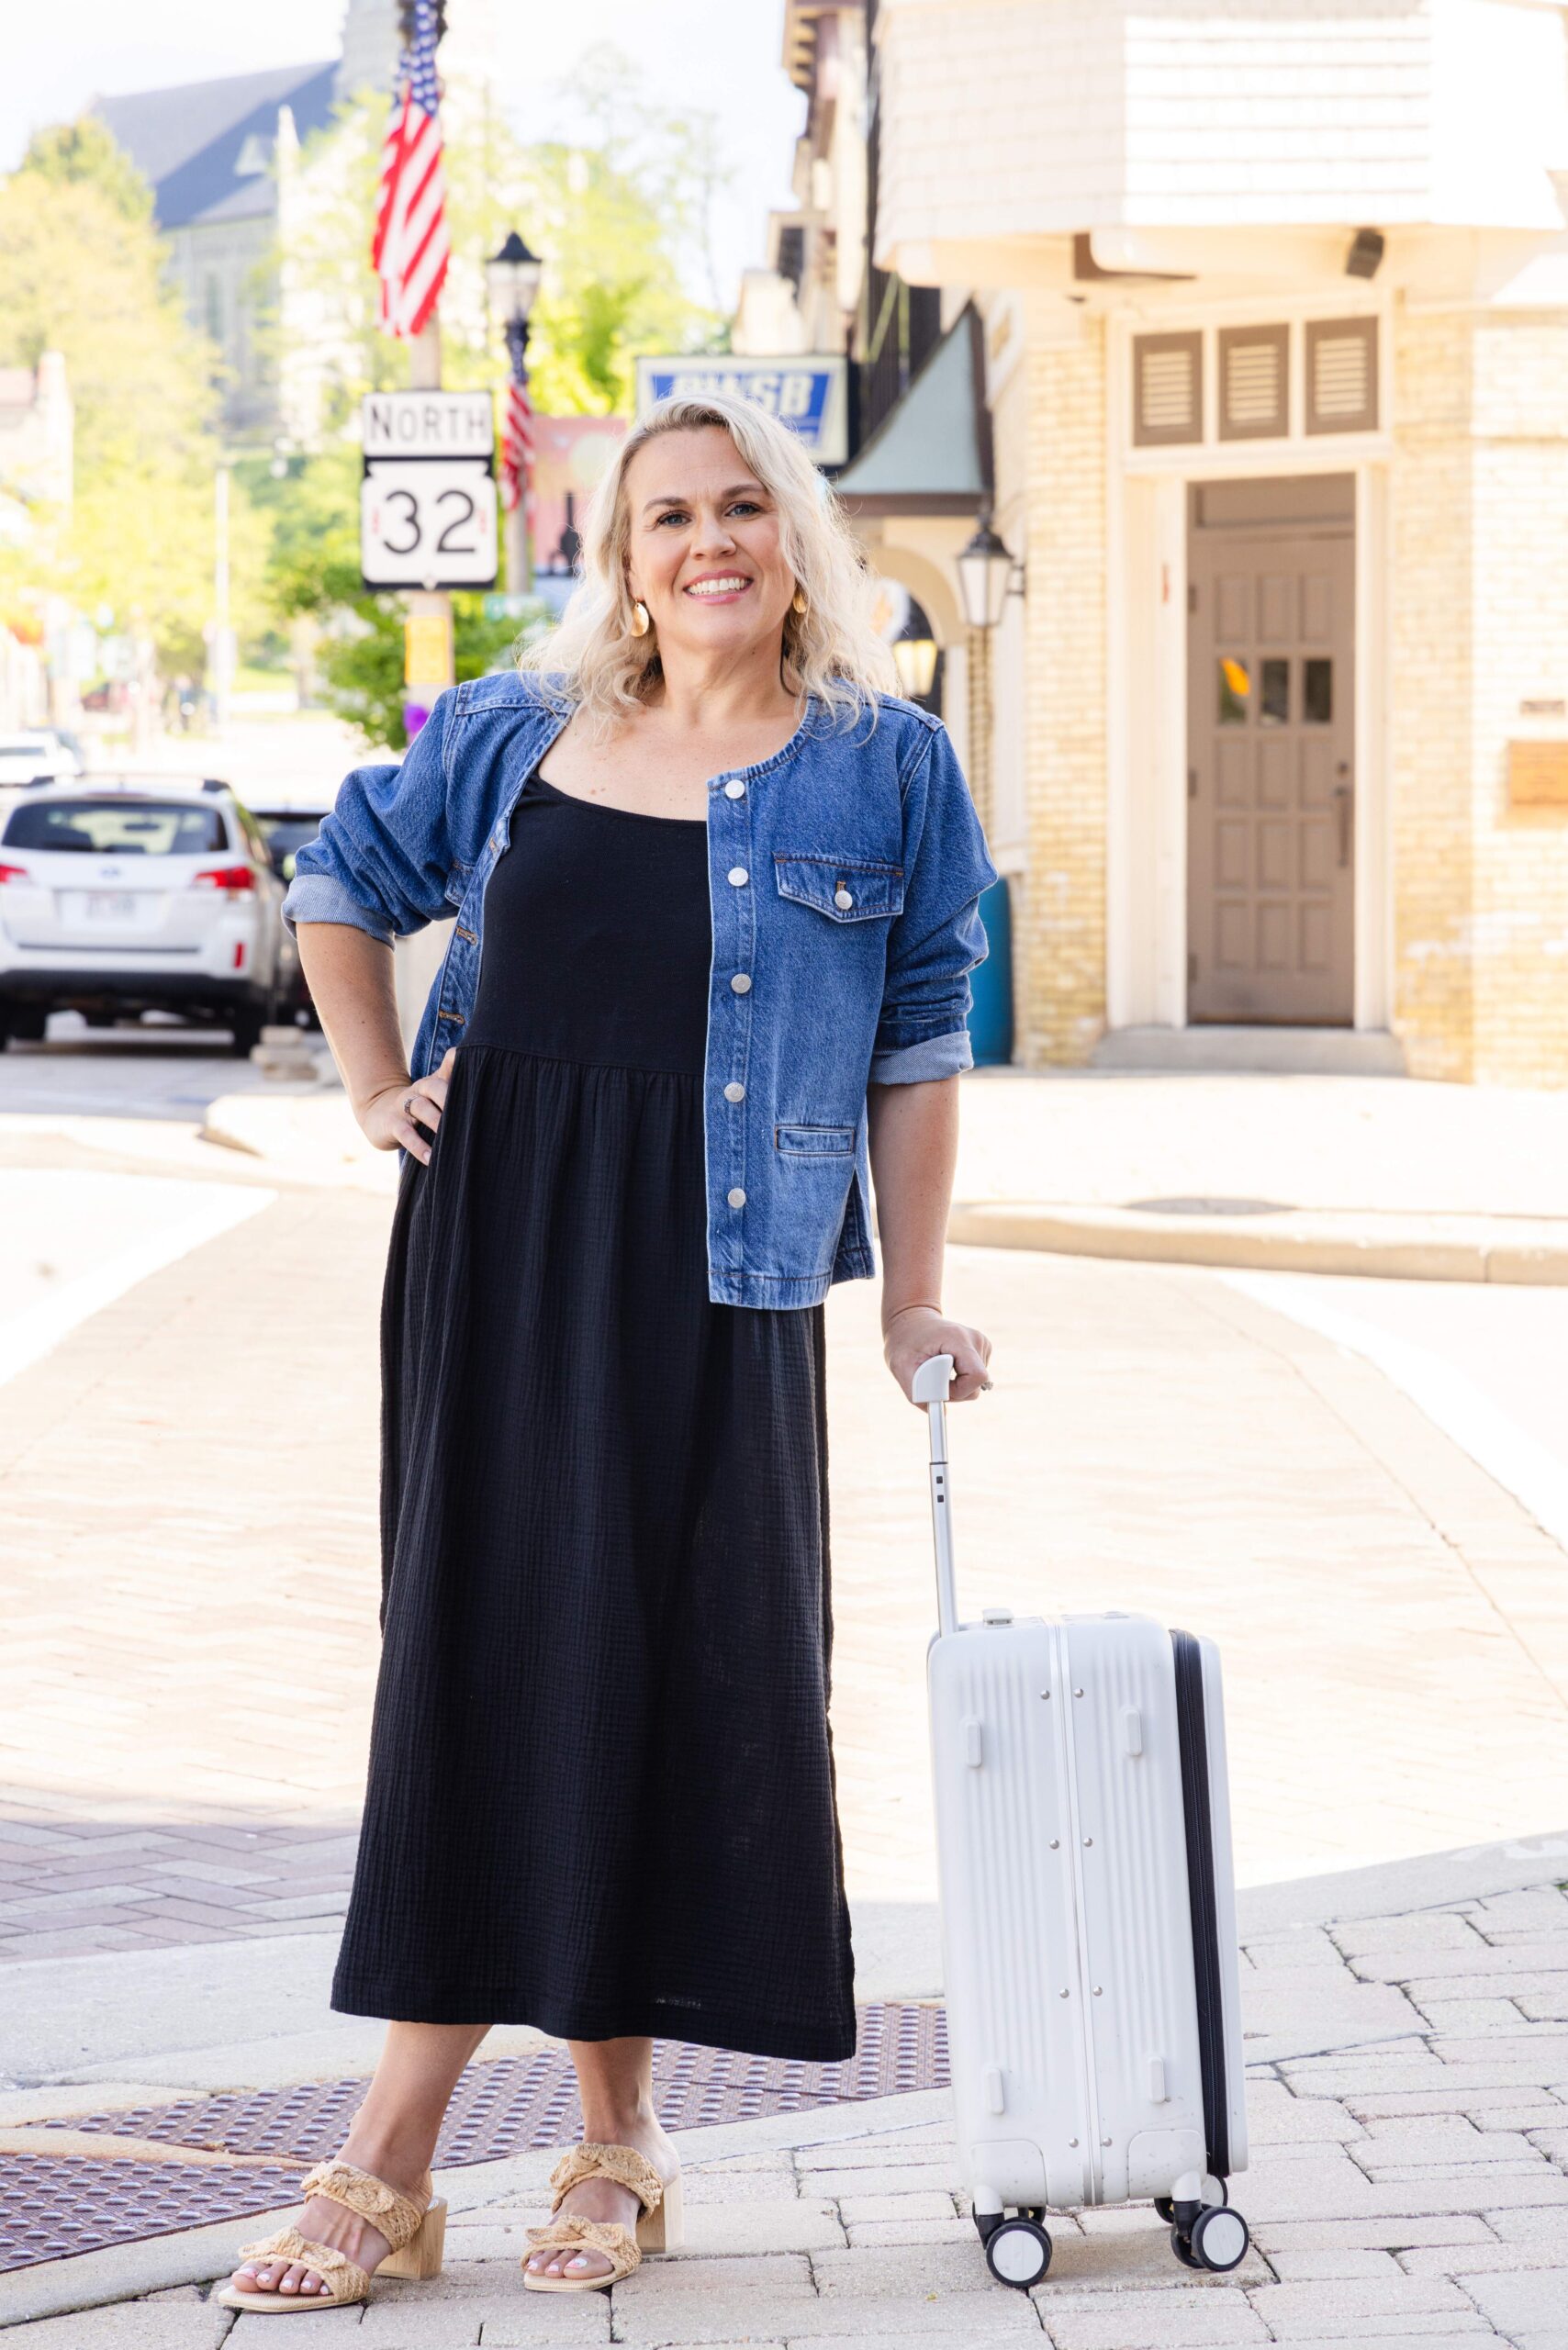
(428, 523)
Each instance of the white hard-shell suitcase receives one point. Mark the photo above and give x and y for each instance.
(1088, 1915)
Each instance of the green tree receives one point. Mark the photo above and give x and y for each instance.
(616, 219)
(81, 272)
(86, 154)
(313, 571)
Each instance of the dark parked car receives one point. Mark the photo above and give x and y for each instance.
(286, 831)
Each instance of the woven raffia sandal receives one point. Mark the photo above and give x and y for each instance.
(658, 2223)
(416, 2231)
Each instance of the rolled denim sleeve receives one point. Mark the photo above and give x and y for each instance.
(939, 938)
(381, 860)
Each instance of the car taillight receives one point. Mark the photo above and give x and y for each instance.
(230, 878)
(14, 873)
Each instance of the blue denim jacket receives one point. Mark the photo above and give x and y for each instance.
(843, 877)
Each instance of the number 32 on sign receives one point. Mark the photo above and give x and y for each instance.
(428, 523)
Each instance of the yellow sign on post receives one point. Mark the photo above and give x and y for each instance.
(426, 649)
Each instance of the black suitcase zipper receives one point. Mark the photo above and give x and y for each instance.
(1191, 1730)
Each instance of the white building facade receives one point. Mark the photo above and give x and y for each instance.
(1273, 308)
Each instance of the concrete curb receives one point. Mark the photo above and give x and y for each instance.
(1394, 1248)
(309, 1134)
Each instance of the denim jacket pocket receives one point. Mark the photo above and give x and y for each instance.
(845, 889)
(814, 1142)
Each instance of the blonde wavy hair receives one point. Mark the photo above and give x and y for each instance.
(594, 663)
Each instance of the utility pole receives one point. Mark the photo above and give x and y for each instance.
(428, 654)
(427, 661)
(220, 654)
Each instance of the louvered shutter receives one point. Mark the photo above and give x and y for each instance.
(1254, 383)
(1167, 388)
(1342, 375)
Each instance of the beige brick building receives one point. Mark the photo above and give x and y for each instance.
(1269, 306)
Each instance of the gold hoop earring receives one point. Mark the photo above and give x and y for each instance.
(798, 601)
(641, 624)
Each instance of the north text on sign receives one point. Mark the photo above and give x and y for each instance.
(429, 424)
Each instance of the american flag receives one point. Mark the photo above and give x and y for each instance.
(410, 249)
(516, 445)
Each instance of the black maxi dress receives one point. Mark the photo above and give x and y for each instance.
(600, 1794)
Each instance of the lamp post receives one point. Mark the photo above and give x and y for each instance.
(985, 567)
(512, 278)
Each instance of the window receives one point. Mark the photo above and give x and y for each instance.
(1274, 697)
(1234, 681)
(117, 828)
(1167, 388)
(214, 305)
(1317, 692)
(1342, 375)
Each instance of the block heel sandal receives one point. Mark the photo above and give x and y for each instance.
(416, 2231)
(659, 2223)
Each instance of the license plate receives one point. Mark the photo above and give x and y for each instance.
(110, 905)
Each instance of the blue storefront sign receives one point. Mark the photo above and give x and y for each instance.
(809, 394)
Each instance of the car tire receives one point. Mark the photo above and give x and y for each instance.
(246, 1022)
(26, 1022)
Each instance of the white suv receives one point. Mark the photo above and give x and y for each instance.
(118, 898)
(41, 751)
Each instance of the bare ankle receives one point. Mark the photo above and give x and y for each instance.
(622, 2123)
(397, 2156)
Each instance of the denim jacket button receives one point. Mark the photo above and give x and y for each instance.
(739, 877)
(741, 983)
(736, 1198)
(842, 900)
(735, 1092)
(734, 788)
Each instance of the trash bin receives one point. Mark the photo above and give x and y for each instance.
(990, 1014)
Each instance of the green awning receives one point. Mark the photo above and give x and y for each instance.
(931, 453)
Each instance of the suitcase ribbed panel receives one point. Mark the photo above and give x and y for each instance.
(1007, 1908)
(1135, 1936)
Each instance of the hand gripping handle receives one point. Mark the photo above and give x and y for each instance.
(930, 1387)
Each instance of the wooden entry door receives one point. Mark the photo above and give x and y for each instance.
(1271, 831)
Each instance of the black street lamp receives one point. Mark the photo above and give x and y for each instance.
(511, 277)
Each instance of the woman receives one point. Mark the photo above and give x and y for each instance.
(727, 891)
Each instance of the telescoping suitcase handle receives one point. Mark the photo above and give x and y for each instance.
(930, 1387)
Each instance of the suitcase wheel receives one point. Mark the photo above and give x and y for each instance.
(1217, 2241)
(1018, 2252)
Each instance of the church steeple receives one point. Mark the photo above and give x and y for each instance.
(370, 47)
(371, 44)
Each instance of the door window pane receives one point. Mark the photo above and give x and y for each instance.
(1274, 700)
(1235, 690)
(1318, 692)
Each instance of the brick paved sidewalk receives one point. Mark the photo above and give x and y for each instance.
(1410, 2187)
(189, 1490)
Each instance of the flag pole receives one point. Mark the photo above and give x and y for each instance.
(428, 664)
(428, 656)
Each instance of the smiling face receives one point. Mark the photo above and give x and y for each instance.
(703, 546)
